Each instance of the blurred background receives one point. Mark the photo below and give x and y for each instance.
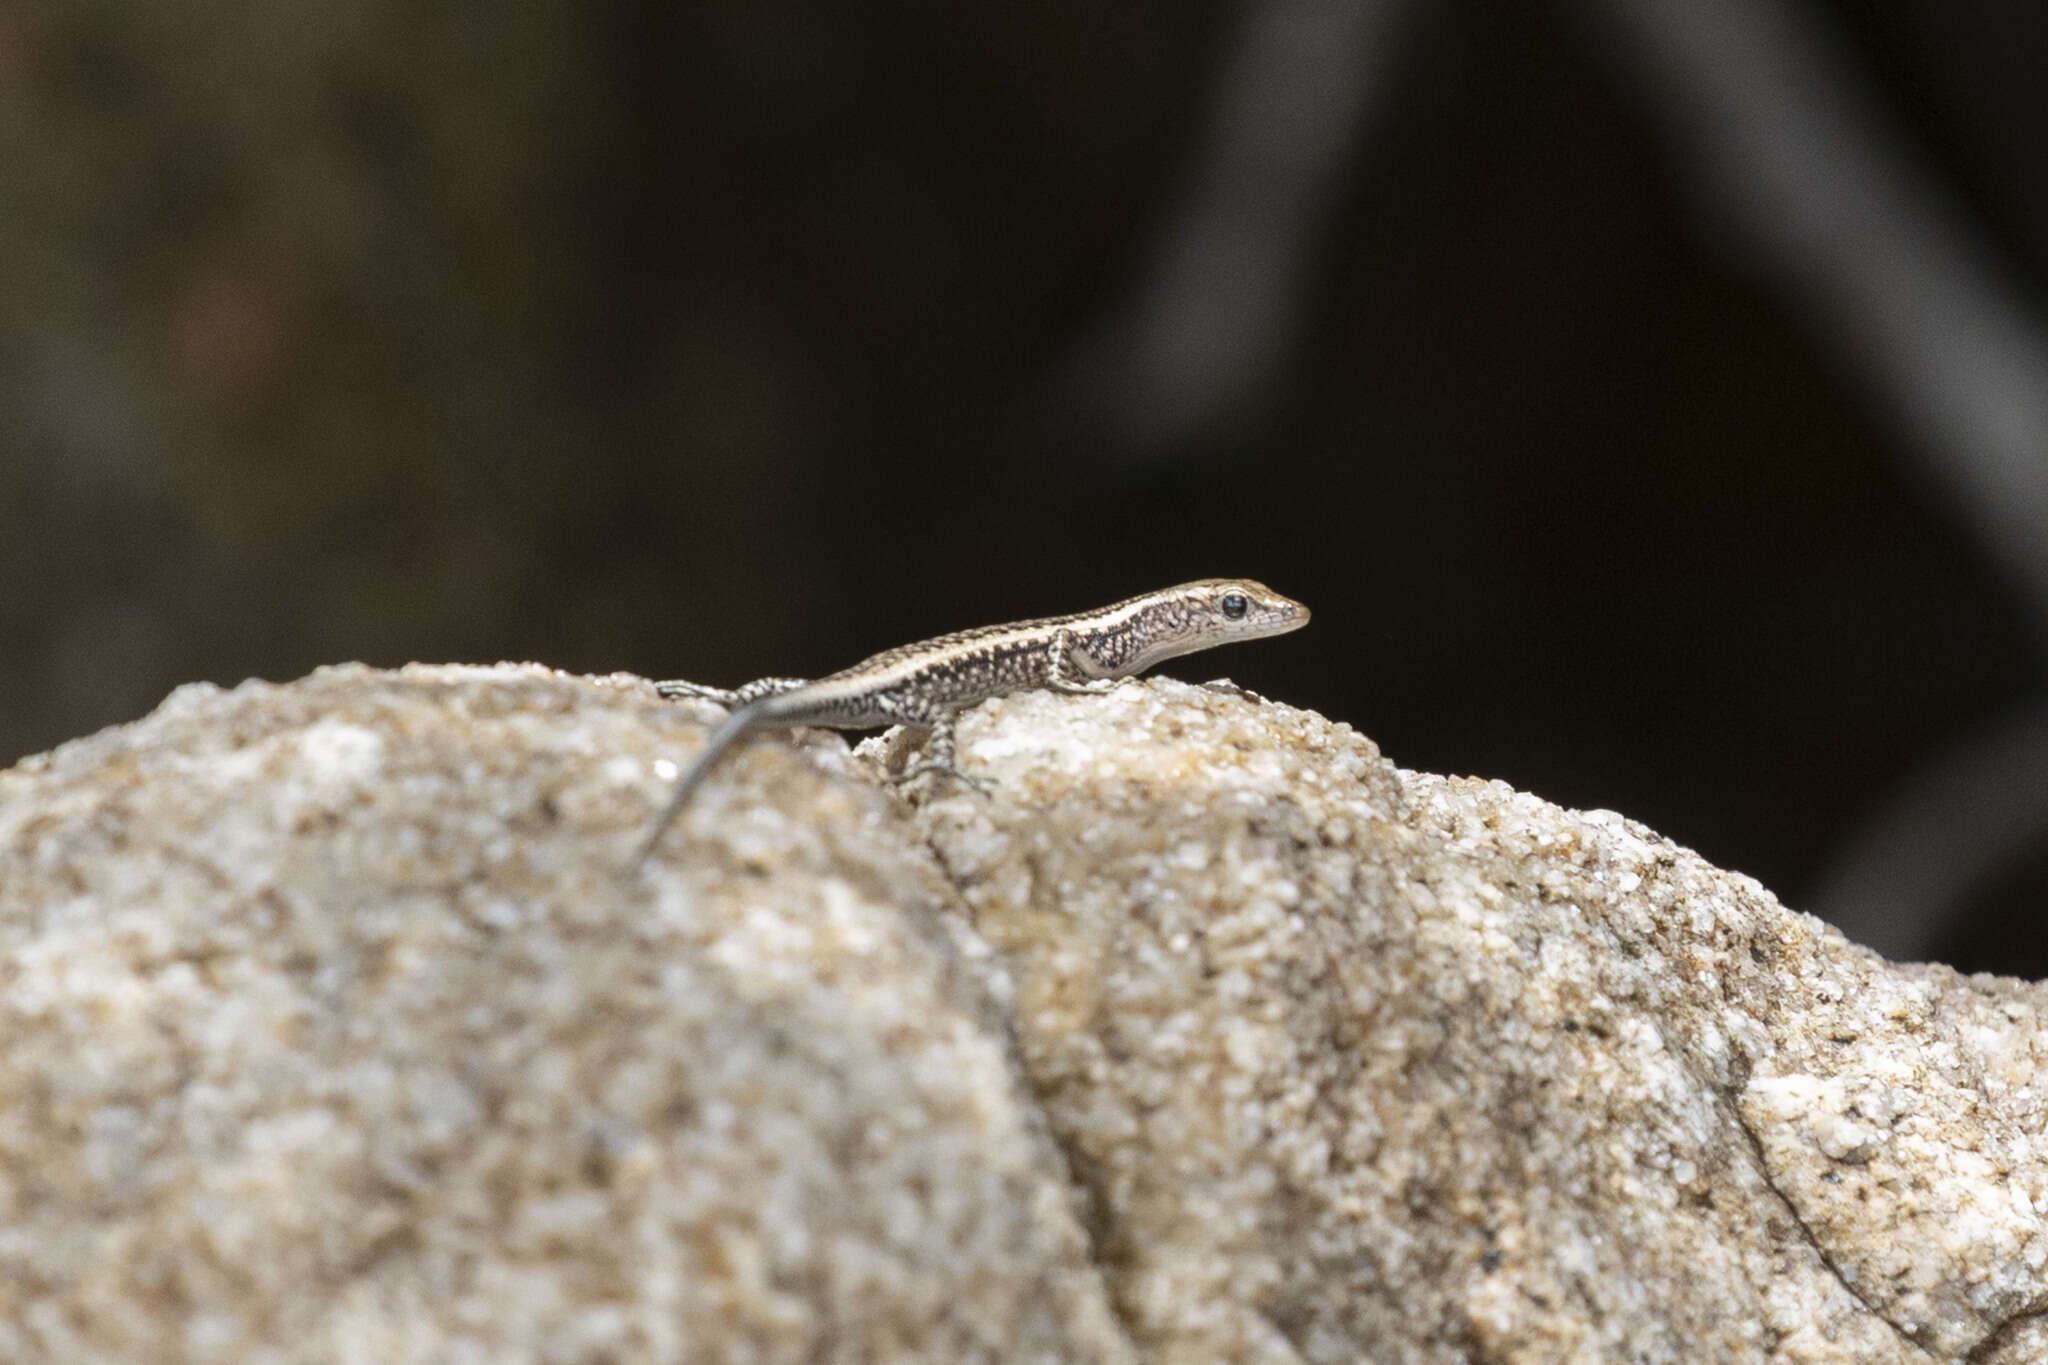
(1650, 398)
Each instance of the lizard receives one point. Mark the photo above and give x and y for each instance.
(925, 685)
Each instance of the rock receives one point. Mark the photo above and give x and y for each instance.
(1367, 1064)
(333, 1034)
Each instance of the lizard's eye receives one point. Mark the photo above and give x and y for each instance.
(1233, 604)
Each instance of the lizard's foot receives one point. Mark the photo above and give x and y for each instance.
(676, 689)
(934, 767)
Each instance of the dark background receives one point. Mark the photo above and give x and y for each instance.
(1650, 404)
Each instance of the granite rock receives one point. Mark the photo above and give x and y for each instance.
(1363, 1063)
(333, 1033)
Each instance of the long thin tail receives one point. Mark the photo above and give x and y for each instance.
(735, 725)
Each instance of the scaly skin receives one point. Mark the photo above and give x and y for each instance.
(926, 684)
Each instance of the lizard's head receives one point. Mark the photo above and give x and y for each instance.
(1216, 611)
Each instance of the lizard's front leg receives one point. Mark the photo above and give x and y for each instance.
(731, 698)
(1062, 659)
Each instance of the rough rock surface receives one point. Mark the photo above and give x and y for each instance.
(332, 1034)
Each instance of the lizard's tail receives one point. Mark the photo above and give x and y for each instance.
(735, 725)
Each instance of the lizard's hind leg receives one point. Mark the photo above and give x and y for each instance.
(728, 697)
(938, 758)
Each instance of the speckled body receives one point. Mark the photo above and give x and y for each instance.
(926, 684)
